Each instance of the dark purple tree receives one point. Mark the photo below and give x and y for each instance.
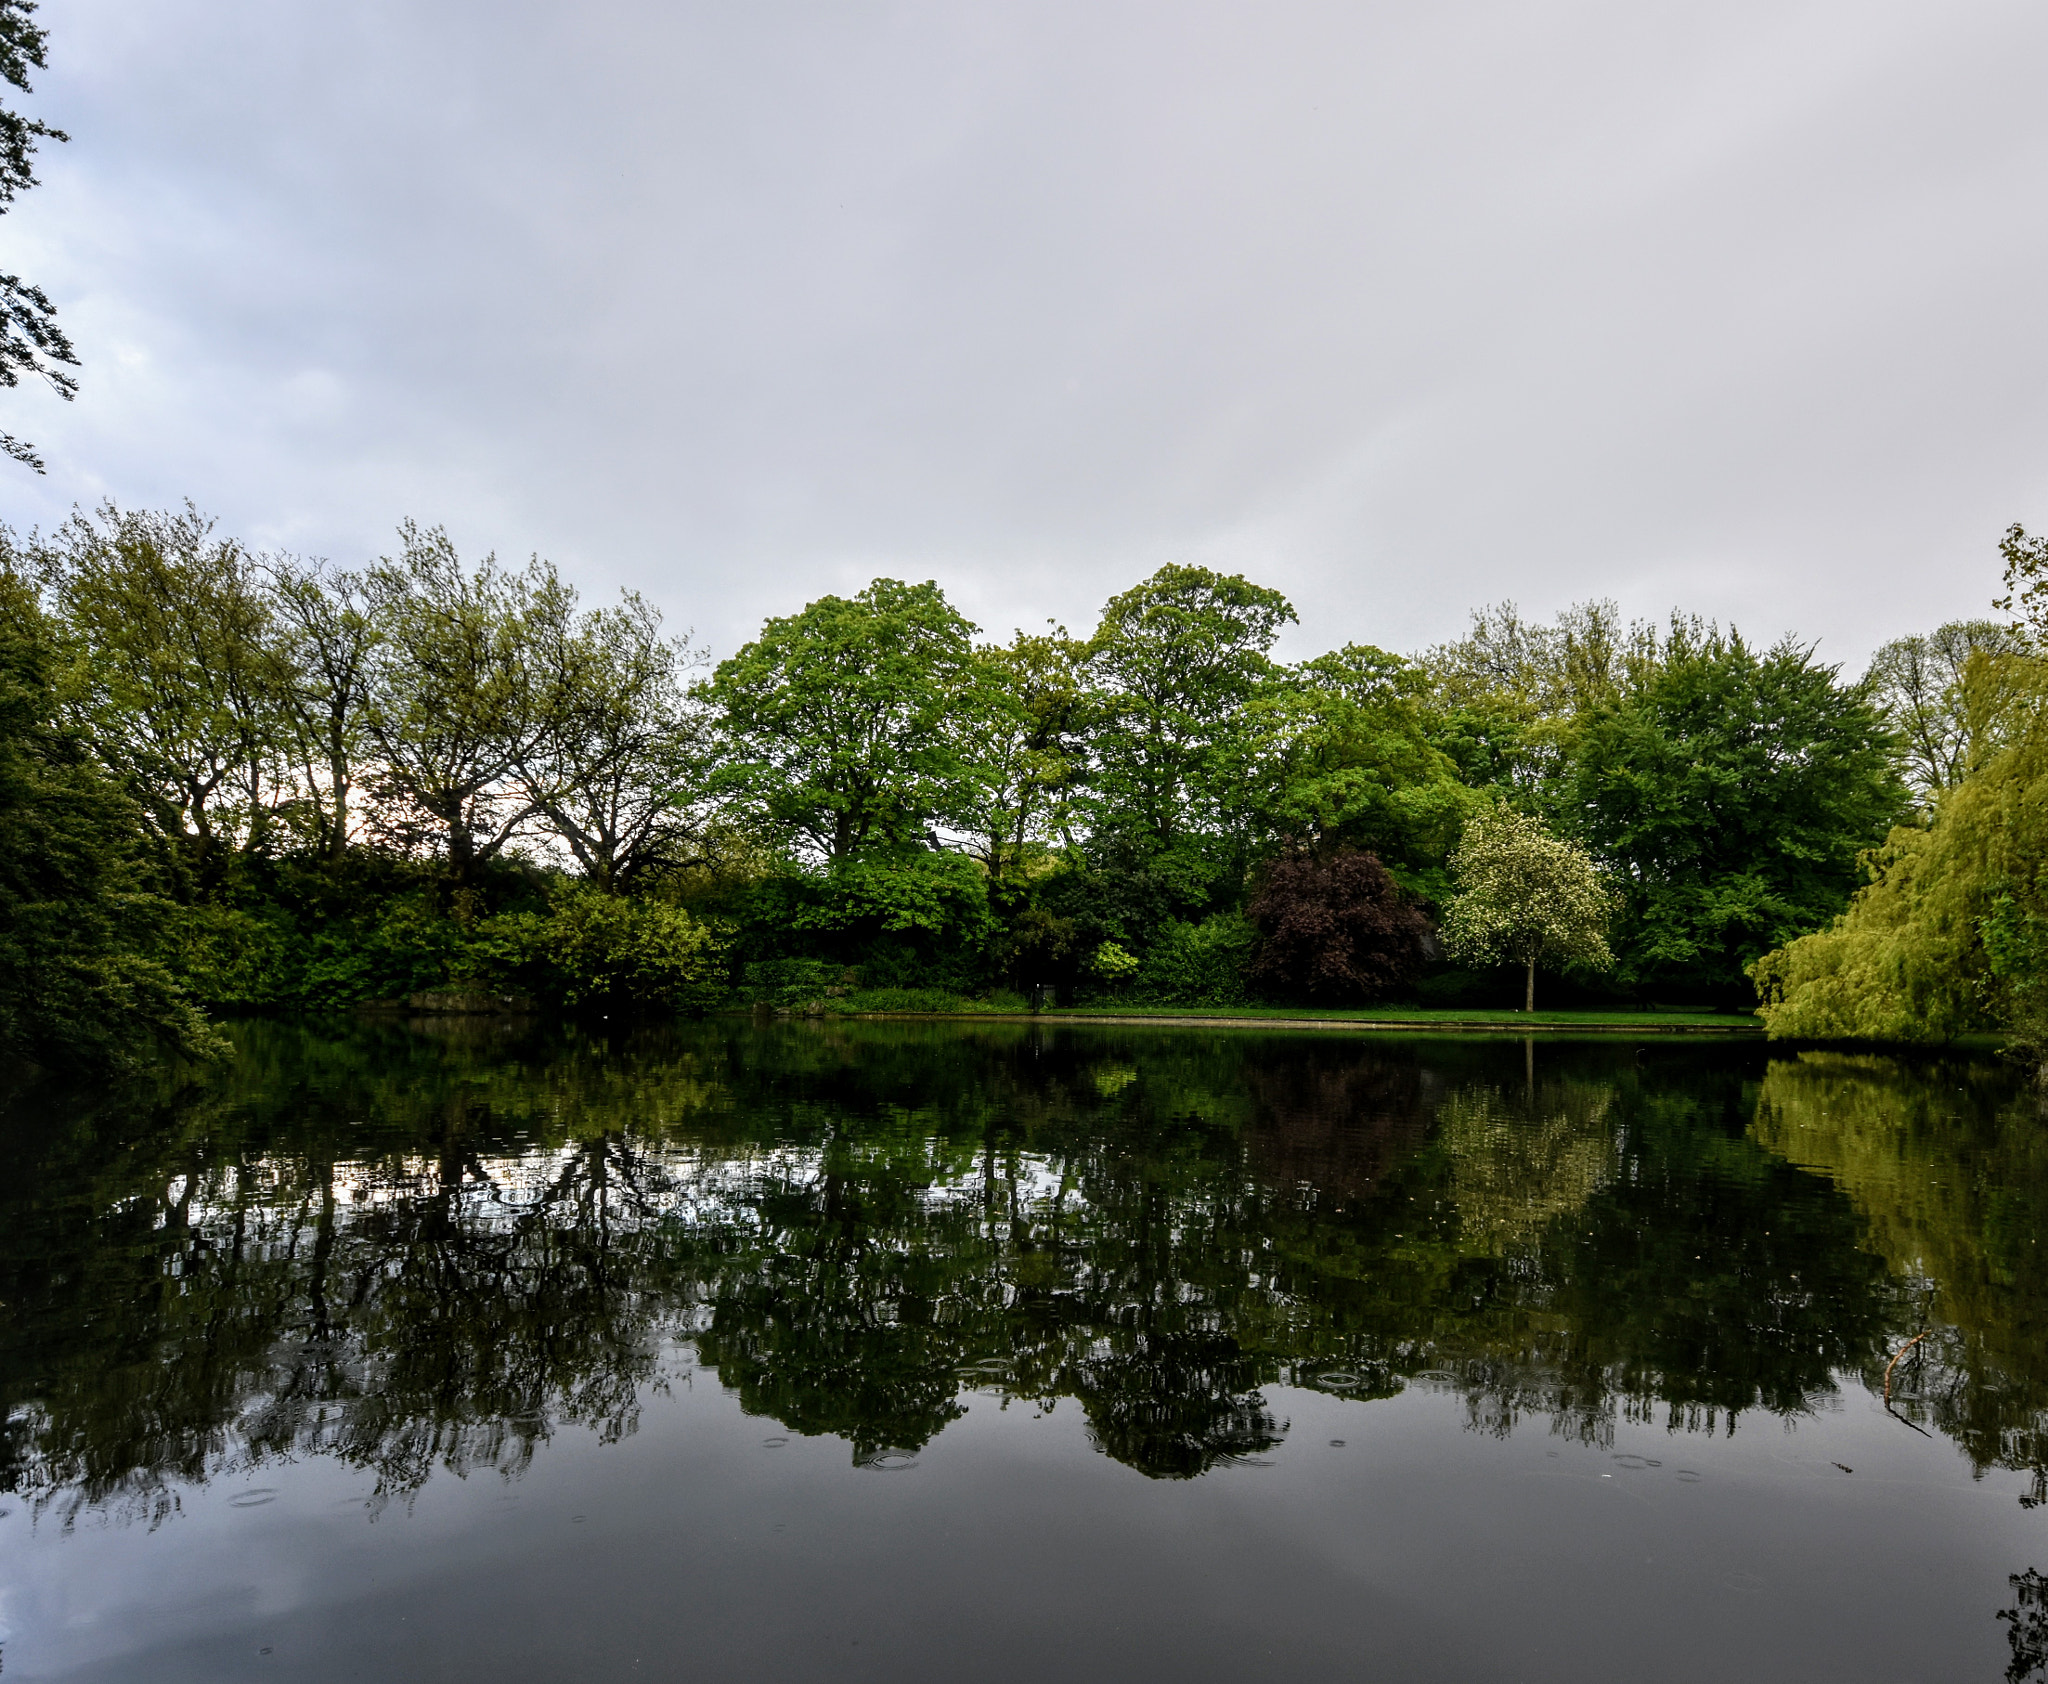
(1333, 927)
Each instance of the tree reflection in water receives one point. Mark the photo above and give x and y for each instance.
(410, 1253)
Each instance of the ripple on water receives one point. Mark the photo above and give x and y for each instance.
(1340, 1380)
(254, 1498)
(887, 1461)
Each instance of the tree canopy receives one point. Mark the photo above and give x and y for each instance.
(852, 725)
(1730, 795)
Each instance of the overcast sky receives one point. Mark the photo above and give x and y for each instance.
(1400, 308)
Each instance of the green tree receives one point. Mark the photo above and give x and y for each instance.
(857, 724)
(31, 342)
(328, 640)
(1731, 797)
(76, 989)
(1510, 695)
(1525, 895)
(1917, 682)
(1347, 760)
(1174, 665)
(616, 766)
(1951, 933)
(451, 709)
(593, 949)
(176, 650)
(1031, 750)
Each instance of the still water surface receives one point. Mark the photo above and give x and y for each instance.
(877, 1351)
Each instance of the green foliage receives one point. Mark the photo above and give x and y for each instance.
(77, 987)
(1031, 749)
(1347, 759)
(793, 982)
(1948, 936)
(927, 1000)
(1918, 684)
(1174, 664)
(31, 342)
(1110, 963)
(1197, 964)
(922, 893)
(173, 674)
(853, 725)
(595, 951)
(914, 918)
(453, 706)
(617, 767)
(1731, 796)
(366, 785)
(1527, 896)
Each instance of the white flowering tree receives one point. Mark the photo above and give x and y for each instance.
(1524, 895)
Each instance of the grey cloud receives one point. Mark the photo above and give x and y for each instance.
(1401, 309)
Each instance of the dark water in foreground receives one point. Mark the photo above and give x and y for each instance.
(906, 1352)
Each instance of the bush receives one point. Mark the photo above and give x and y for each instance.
(1333, 929)
(1197, 964)
(792, 982)
(591, 950)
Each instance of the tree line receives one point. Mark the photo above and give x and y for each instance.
(231, 779)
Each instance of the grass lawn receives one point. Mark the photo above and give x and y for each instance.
(934, 1002)
(1507, 1019)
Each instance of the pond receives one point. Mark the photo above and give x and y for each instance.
(904, 1351)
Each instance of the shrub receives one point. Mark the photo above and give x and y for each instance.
(592, 950)
(1333, 929)
(791, 982)
(1197, 964)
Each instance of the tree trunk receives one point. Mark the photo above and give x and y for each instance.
(337, 772)
(1529, 994)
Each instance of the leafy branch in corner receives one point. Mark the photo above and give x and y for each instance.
(31, 342)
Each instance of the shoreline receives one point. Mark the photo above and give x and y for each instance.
(1379, 1026)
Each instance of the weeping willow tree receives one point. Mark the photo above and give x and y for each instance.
(1951, 933)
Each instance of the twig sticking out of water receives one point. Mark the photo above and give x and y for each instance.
(1894, 1363)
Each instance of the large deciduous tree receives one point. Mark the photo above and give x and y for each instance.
(1031, 750)
(1731, 797)
(1525, 896)
(1346, 758)
(856, 724)
(176, 661)
(615, 768)
(1951, 933)
(1174, 665)
(326, 646)
(1918, 684)
(451, 709)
